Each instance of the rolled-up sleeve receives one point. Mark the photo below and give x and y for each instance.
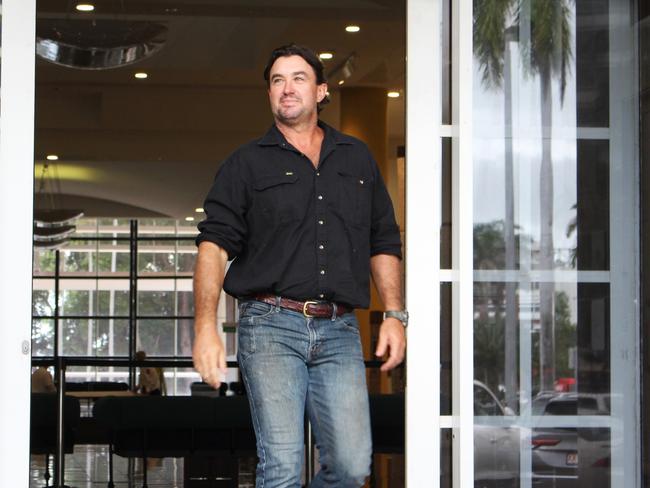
(384, 231)
(225, 208)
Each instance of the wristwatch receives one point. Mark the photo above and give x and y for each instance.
(401, 315)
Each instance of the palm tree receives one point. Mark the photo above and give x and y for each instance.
(547, 54)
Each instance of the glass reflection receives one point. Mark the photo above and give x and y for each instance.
(545, 175)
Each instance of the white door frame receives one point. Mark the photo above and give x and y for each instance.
(423, 183)
(16, 196)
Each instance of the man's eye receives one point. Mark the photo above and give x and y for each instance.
(299, 78)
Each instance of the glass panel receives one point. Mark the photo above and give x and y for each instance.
(188, 228)
(120, 228)
(85, 227)
(82, 297)
(43, 297)
(95, 337)
(111, 337)
(76, 337)
(165, 297)
(186, 252)
(445, 349)
(156, 227)
(446, 62)
(577, 360)
(114, 258)
(446, 459)
(156, 297)
(446, 210)
(185, 336)
(44, 262)
(553, 177)
(156, 257)
(78, 258)
(79, 374)
(184, 298)
(156, 337)
(42, 337)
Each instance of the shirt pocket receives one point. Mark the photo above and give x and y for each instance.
(355, 197)
(277, 197)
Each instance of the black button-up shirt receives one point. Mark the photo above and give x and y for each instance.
(297, 231)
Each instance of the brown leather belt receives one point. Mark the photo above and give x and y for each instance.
(309, 308)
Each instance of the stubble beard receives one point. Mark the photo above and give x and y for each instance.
(292, 116)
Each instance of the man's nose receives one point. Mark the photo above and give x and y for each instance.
(288, 87)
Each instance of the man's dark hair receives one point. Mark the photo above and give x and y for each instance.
(305, 53)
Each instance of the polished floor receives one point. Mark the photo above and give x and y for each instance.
(87, 467)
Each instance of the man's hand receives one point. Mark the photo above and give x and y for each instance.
(393, 339)
(209, 356)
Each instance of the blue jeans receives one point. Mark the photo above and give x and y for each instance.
(292, 364)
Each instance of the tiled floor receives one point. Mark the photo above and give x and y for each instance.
(88, 468)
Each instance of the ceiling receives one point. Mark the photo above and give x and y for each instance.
(130, 148)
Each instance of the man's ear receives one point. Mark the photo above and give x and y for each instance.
(322, 92)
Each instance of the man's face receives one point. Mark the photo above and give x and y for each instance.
(293, 91)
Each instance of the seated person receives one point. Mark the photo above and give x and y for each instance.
(42, 381)
(151, 380)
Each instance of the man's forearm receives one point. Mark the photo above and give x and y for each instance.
(387, 274)
(208, 281)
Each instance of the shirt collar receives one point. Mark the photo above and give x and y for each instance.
(274, 137)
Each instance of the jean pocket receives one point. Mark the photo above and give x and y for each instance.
(349, 321)
(245, 341)
(255, 310)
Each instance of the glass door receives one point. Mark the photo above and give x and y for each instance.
(522, 243)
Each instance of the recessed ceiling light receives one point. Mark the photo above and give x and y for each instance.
(341, 82)
(326, 55)
(393, 94)
(85, 7)
(189, 219)
(141, 75)
(52, 157)
(199, 210)
(352, 28)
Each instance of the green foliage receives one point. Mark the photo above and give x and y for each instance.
(565, 336)
(490, 245)
(549, 53)
(490, 18)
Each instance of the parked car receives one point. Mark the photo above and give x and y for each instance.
(566, 457)
(496, 448)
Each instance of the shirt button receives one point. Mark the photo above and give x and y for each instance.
(361, 181)
(318, 173)
(322, 271)
(321, 247)
(320, 197)
(322, 295)
(321, 222)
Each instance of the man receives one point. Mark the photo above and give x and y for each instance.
(305, 217)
